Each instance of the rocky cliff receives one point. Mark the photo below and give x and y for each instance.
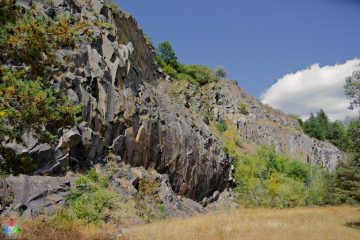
(260, 125)
(131, 114)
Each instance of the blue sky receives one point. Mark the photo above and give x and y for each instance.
(257, 41)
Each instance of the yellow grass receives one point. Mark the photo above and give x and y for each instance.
(330, 223)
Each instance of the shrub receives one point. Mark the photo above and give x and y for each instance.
(91, 200)
(220, 72)
(188, 78)
(221, 126)
(268, 179)
(170, 71)
(243, 108)
(200, 74)
(149, 205)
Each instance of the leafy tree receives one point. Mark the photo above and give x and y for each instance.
(353, 135)
(220, 72)
(352, 89)
(348, 180)
(167, 54)
(313, 128)
(336, 134)
(322, 128)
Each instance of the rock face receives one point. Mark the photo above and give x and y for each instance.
(125, 113)
(130, 113)
(261, 125)
(37, 194)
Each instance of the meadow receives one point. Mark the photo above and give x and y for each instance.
(330, 223)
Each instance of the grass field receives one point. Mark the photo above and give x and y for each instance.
(330, 223)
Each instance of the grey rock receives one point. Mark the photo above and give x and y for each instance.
(38, 194)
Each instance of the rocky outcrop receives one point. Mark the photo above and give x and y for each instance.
(36, 194)
(125, 112)
(131, 115)
(261, 125)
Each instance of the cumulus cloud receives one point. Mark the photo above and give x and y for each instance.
(310, 89)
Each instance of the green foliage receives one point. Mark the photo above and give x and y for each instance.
(353, 136)
(348, 170)
(148, 203)
(221, 126)
(243, 108)
(201, 74)
(32, 40)
(348, 180)
(28, 102)
(271, 180)
(352, 89)
(320, 127)
(170, 71)
(220, 72)
(195, 74)
(90, 200)
(90, 197)
(167, 54)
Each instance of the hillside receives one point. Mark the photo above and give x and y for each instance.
(153, 137)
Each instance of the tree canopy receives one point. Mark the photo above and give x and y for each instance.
(352, 89)
(167, 54)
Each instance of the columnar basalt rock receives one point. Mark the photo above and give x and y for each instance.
(130, 113)
(262, 124)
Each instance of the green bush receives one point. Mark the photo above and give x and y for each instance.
(243, 108)
(268, 179)
(221, 126)
(220, 72)
(91, 200)
(188, 78)
(170, 71)
(149, 205)
(201, 74)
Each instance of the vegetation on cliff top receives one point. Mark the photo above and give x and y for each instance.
(196, 74)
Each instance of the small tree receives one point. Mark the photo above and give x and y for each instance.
(220, 72)
(243, 108)
(352, 90)
(167, 54)
(348, 180)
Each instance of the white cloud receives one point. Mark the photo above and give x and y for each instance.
(310, 89)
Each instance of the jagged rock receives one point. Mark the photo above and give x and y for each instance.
(177, 206)
(37, 194)
(42, 156)
(6, 195)
(129, 111)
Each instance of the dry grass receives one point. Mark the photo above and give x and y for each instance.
(41, 228)
(330, 223)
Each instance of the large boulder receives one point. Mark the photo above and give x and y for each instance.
(37, 194)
